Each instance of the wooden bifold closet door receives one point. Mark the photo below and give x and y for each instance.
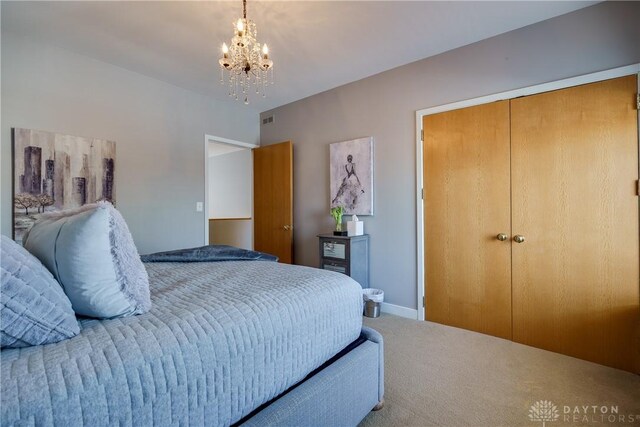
(466, 205)
(574, 171)
(557, 173)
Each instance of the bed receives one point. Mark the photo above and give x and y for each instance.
(234, 342)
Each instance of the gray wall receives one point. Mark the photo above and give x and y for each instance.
(383, 106)
(158, 128)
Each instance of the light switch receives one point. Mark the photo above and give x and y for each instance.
(199, 206)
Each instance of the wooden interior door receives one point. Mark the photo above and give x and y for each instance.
(466, 205)
(574, 176)
(273, 200)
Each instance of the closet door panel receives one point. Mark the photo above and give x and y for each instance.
(466, 205)
(574, 169)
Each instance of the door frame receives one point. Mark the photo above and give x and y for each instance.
(217, 139)
(530, 90)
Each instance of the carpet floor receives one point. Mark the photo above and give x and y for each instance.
(437, 375)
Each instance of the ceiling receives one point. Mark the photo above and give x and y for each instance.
(315, 45)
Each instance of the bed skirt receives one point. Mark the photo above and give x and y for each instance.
(341, 394)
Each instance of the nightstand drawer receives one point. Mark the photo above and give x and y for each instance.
(334, 250)
(335, 266)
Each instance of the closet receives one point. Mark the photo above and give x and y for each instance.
(531, 221)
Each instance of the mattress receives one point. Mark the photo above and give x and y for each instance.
(221, 339)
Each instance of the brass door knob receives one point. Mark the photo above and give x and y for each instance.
(518, 238)
(287, 227)
(502, 237)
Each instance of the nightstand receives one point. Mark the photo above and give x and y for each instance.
(347, 255)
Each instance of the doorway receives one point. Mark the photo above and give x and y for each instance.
(228, 192)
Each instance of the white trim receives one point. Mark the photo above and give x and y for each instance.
(420, 218)
(211, 138)
(207, 140)
(531, 90)
(205, 212)
(398, 310)
(409, 313)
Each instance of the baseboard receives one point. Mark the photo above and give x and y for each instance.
(398, 310)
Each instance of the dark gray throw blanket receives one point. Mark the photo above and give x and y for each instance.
(208, 254)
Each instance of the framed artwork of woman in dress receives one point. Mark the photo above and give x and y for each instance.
(351, 175)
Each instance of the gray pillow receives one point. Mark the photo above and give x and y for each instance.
(91, 253)
(33, 308)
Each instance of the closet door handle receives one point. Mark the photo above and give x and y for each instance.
(502, 237)
(518, 238)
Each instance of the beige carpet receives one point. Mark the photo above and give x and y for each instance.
(442, 376)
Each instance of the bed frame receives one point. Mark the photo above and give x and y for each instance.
(340, 393)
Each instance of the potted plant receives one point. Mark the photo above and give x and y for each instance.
(336, 213)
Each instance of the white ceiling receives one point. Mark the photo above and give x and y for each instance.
(315, 45)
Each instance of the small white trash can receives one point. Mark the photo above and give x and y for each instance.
(372, 300)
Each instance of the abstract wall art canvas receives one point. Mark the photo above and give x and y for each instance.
(53, 172)
(351, 175)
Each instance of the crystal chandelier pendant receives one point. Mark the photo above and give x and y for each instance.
(245, 62)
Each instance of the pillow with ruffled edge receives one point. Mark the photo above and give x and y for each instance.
(33, 307)
(91, 253)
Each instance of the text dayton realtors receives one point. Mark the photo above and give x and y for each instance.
(597, 414)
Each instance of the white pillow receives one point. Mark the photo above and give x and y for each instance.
(90, 251)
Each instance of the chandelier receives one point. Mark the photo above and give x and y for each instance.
(244, 62)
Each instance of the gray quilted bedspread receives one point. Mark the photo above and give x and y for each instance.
(221, 339)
